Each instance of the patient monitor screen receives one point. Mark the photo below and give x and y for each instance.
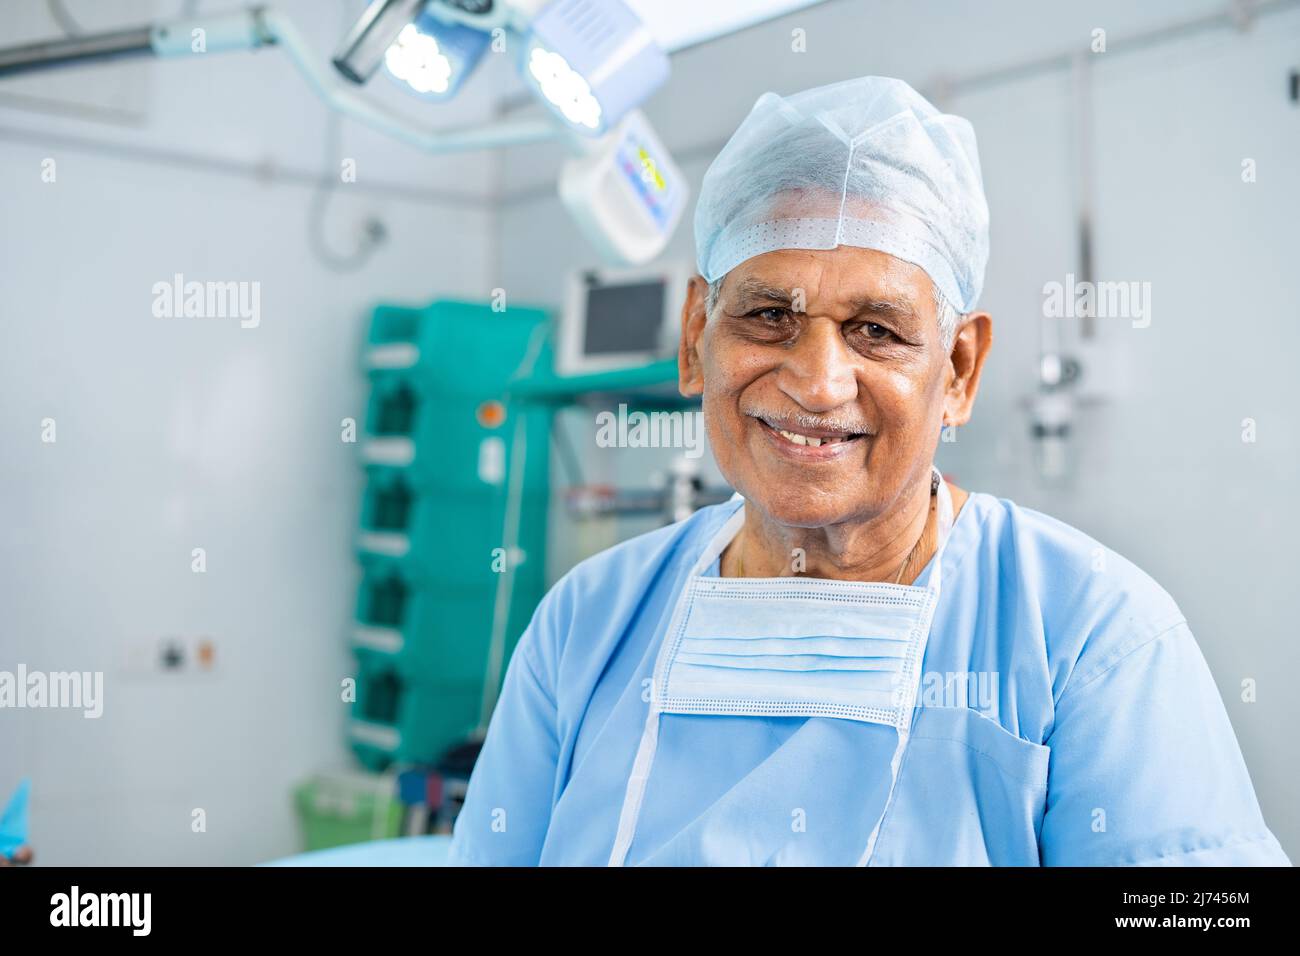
(624, 318)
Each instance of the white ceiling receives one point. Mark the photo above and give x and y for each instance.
(254, 109)
(681, 23)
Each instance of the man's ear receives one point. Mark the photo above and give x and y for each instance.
(970, 347)
(690, 373)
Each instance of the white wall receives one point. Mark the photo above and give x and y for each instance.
(184, 433)
(1160, 472)
(194, 433)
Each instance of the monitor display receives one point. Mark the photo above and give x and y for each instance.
(624, 318)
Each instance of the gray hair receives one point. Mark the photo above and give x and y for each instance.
(949, 317)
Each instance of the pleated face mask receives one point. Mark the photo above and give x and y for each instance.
(809, 647)
(797, 647)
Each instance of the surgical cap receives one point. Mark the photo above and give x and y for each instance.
(867, 162)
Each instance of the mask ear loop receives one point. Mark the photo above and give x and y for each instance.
(904, 726)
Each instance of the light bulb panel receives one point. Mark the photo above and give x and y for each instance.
(591, 62)
(431, 58)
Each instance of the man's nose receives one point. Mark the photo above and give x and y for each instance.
(819, 372)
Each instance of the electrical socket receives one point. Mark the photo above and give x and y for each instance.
(171, 654)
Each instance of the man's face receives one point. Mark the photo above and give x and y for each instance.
(824, 377)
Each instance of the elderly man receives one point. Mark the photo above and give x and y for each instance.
(856, 663)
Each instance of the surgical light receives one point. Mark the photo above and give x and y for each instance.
(367, 43)
(592, 61)
(433, 58)
(564, 88)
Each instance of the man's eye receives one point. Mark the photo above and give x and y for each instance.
(875, 331)
(773, 315)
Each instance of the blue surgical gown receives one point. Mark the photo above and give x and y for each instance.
(1090, 731)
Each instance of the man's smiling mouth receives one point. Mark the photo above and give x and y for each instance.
(812, 437)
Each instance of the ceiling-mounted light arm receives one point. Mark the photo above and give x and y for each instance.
(362, 50)
(238, 31)
(479, 136)
(590, 61)
(251, 29)
(51, 54)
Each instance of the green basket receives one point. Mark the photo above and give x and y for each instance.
(339, 809)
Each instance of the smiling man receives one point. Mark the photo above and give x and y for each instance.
(854, 662)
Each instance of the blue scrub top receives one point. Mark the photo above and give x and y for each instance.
(1065, 717)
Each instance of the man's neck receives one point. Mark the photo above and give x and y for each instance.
(891, 547)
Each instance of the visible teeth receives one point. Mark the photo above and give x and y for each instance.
(806, 439)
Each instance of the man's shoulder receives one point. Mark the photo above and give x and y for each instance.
(1095, 604)
(1061, 557)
